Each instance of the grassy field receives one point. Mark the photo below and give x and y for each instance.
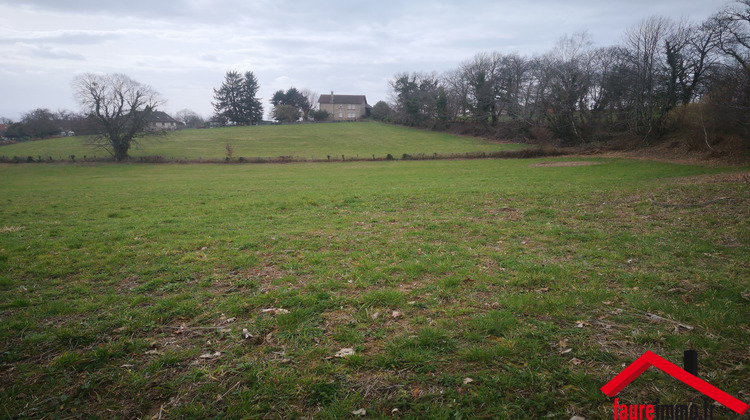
(484, 288)
(308, 141)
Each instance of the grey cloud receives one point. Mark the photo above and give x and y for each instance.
(121, 8)
(72, 37)
(46, 52)
(209, 58)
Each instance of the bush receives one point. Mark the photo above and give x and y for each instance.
(690, 126)
(319, 115)
(541, 135)
(381, 112)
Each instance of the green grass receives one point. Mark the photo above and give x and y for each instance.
(306, 141)
(125, 289)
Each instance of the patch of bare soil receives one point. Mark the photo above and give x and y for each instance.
(734, 177)
(725, 154)
(681, 159)
(568, 163)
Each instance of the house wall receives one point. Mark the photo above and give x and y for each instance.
(344, 112)
(163, 126)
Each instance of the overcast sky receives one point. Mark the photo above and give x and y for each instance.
(184, 48)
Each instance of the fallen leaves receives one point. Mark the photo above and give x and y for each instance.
(564, 348)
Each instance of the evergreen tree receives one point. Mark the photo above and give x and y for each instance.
(292, 98)
(252, 104)
(236, 99)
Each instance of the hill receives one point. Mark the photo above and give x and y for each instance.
(308, 141)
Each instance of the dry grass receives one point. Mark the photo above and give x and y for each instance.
(564, 164)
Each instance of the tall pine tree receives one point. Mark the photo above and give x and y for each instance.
(236, 99)
(253, 106)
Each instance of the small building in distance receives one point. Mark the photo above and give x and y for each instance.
(344, 107)
(159, 121)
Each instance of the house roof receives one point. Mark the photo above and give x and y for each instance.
(343, 99)
(160, 116)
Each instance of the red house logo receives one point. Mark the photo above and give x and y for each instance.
(652, 359)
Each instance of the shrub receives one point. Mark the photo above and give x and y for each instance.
(319, 115)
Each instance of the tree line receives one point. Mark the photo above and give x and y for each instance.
(663, 76)
(42, 123)
(116, 111)
(236, 102)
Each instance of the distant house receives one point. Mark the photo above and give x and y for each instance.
(344, 107)
(159, 121)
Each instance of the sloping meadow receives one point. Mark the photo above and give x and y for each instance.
(487, 288)
(299, 142)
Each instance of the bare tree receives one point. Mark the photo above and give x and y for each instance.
(570, 79)
(312, 99)
(728, 99)
(120, 106)
(733, 24)
(457, 92)
(40, 123)
(514, 77)
(417, 97)
(689, 54)
(645, 72)
(190, 118)
(482, 78)
(608, 88)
